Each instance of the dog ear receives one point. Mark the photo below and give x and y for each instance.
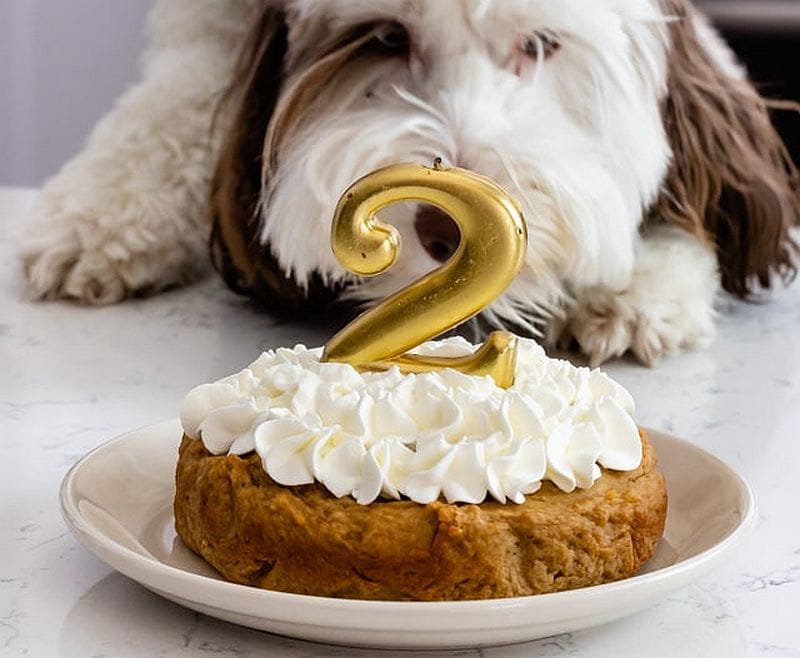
(235, 186)
(731, 179)
(269, 110)
(247, 266)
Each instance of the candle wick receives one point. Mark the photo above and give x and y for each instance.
(437, 164)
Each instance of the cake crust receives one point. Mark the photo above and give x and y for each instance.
(304, 540)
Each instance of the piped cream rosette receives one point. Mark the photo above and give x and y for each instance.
(443, 433)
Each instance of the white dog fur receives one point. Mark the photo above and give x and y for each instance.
(565, 103)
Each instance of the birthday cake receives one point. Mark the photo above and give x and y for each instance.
(313, 477)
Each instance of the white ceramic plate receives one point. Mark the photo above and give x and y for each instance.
(117, 501)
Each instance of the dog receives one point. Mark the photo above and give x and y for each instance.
(644, 160)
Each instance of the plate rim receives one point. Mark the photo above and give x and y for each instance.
(103, 546)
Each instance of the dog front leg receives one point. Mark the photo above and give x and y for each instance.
(129, 214)
(667, 307)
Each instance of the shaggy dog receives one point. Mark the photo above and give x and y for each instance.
(645, 162)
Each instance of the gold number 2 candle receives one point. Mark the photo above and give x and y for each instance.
(489, 256)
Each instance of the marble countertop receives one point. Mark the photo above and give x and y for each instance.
(71, 378)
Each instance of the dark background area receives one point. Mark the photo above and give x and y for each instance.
(766, 36)
(773, 61)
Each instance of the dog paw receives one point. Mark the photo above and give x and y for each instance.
(607, 325)
(58, 268)
(73, 251)
(667, 306)
(602, 327)
(103, 247)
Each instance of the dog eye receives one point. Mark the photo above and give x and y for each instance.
(392, 37)
(540, 44)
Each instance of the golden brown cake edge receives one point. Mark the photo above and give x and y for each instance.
(304, 540)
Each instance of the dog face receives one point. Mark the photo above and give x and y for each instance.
(567, 105)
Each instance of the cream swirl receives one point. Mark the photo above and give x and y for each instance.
(421, 436)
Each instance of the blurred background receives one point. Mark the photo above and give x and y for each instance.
(63, 62)
(766, 36)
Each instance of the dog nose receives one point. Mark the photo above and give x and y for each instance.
(437, 231)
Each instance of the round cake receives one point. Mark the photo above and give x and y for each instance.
(314, 478)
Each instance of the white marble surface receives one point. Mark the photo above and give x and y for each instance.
(72, 377)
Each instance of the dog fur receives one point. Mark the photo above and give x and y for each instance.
(645, 162)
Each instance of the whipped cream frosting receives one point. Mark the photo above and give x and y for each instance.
(372, 434)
